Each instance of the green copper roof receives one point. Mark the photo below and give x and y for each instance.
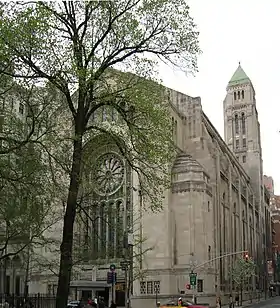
(239, 77)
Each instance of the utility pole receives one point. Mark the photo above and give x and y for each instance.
(221, 257)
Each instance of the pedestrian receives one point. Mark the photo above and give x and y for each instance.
(94, 304)
(101, 303)
(237, 300)
(6, 304)
(113, 305)
(218, 302)
(230, 301)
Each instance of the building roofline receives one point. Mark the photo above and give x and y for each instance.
(224, 146)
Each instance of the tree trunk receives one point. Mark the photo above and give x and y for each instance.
(68, 227)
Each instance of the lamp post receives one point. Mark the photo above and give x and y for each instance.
(127, 265)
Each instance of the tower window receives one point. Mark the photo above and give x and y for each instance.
(234, 94)
(244, 159)
(1, 123)
(237, 144)
(21, 108)
(244, 143)
(238, 94)
(175, 131)
(236, 124)
(242, 94)
(243, 123)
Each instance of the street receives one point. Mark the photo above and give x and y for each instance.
(269, 303)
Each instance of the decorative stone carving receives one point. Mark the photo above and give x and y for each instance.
(190, 175)
(109, 174)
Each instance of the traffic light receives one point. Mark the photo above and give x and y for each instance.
(188, 286)
(246, 257)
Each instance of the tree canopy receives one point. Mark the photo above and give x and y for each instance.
(242, 270)
(82, 49)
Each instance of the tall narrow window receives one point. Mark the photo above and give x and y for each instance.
(234, 94)
(199, 285)
(244, 159)
(119, 229)
(243, 123)
(237, 144)
(17, 286)
(244, 143)
(238, 94)
(1, 124)
(175, 131)
(95, 230)
(235, 227)
(21, 108)
(209, 252)
(242, 94)
(103, 233)
(236, 124)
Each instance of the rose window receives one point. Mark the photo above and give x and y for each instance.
(108, 174)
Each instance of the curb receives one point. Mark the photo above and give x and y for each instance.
(251, 303)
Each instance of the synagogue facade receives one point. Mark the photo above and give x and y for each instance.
(217, 205)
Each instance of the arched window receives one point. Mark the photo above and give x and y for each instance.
(243, 123)
(238, 95)
(234, 94)
(242, 94)
(236, 124)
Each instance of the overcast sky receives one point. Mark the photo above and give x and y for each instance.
(233, 31)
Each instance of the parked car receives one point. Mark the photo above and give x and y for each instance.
(185, 304)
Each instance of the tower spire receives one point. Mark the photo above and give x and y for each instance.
(239, 77)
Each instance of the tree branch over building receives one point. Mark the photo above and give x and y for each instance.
(80, 48)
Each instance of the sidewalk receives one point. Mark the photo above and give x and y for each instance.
(249, 302)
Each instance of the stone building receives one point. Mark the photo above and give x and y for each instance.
(12, 268)
(217, 205)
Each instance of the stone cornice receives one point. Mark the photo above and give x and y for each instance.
(191, 185)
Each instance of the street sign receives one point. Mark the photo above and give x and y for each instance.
(112, 267)
(193, 279)
(124, 264)
(111, 277)
(188, 286)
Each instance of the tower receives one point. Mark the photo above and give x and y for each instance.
(242, 128)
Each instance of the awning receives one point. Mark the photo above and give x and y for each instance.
(89, 285)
